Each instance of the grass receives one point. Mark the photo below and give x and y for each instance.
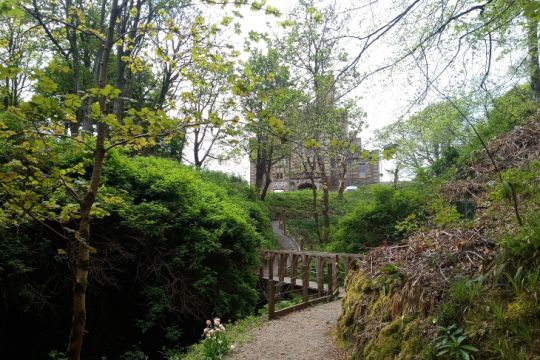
(298, 204)
(465, 291)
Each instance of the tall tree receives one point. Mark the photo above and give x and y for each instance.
(19, 53)
(209, 101)
(268, 102)
(313, 47)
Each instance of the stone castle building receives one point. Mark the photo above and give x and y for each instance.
(288, 174)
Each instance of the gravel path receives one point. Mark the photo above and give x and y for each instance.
(301, 335)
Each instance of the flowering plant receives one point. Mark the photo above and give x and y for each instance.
(215, 343)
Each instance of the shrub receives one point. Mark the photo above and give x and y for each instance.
(523, 247)
(172, 243)
(509, 110)
(444, 213)
(390, 279)
(382, 219)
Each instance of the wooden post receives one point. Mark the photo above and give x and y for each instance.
(320, 277)
(305, 278)
(330, 276)
(271, 258)
(271, 298)
(282, 267)
(294, 261)
(347, 263)
(261, 268)
(335, 273)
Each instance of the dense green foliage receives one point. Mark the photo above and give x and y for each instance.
(124, 253)
(509, 110)
(296, 210)
(384, 219)
(433, 141)
(376, 214)
(177, 247)
(427, 137)
(367, 217)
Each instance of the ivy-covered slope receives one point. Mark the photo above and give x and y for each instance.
(457, 288)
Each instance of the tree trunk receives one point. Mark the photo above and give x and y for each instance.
(259, 166)
(267, 170)
(263, 169)
(264, 190)
(325, 201)
(83, 236)
(315, 212)
(534, 66)
(341, 189)
(342, 173)
(79, 290)
(325, 213)
(71, 34)
(259, 179)
(83, 257)
(396, 176)
(310, 168)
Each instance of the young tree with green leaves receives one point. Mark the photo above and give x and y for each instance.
(426, 137)
(209, 101)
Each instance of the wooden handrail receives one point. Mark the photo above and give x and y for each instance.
(323, 259)
(313, 253)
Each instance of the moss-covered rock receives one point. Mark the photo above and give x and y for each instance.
(354, 306)
(480, 277)
(368, 324)
(387, 345)
(522, 308)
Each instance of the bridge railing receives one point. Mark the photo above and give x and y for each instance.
(283, 265)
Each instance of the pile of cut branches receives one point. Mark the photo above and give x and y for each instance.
(512, 150)
(429, 261)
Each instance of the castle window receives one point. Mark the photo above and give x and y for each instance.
(362, 170)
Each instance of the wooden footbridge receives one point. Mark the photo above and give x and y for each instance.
(318, 276)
